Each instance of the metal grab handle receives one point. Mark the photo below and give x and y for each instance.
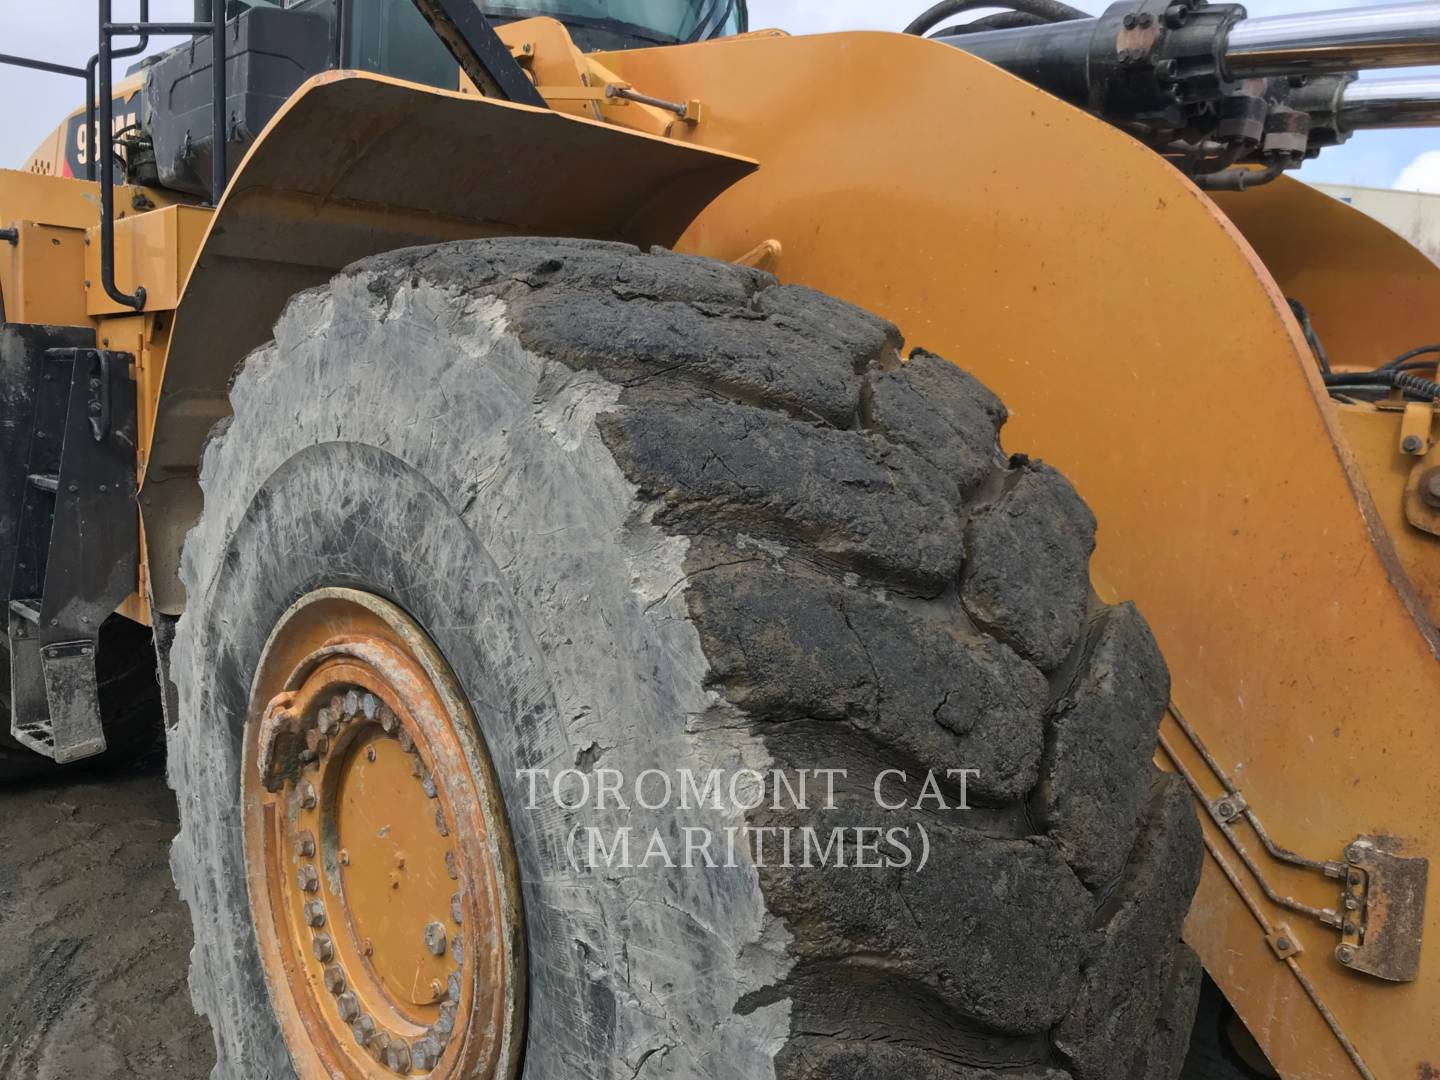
(105, 142)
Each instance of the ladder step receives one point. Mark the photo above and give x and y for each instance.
(26, 609)
(45, 481)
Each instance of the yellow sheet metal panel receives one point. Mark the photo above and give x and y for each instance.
(1392, 477)
(42, 280)
(1371, 294)
(153, 249)
(1143, 348)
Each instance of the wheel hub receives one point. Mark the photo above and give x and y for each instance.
(381, 873)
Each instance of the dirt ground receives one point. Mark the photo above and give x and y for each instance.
(94, 943)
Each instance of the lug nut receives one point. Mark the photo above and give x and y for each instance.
(325, 721)
(363, 1029)
(314, 913)
(423, 1055)
(457, 951)
(307, 795)
(446, 1021)
(455, 909)
(379, 1043)
(440, 821)
(369, 705)
(323, 948)
(305, 844)
(407, 742)
(450, 866)
(352, 703)
(452, 986)
(309, 879)
(1412, 444)
(349, 1006)
(438, 1039)
(435, 939)
(335, 981)
(428, 783)
(397, 1056)
(388, 720)
(1345, 954)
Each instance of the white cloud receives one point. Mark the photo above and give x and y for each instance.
(1422, 174)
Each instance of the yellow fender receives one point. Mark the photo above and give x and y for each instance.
(1141, 344)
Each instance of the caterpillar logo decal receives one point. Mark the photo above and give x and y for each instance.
(78, 141)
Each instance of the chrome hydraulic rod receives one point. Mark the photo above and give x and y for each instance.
(1390, 103)
(1352, 39)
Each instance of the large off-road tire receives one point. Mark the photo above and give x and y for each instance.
(130, 710)
(659, 512)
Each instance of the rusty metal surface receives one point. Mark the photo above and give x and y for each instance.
(1388, 891)
(1144, 348)
(331, 180)
(378, 857)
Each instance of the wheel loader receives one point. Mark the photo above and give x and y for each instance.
(551, 457)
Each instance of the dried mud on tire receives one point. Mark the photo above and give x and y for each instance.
(94, 943)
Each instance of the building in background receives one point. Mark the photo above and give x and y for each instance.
(1414, 215)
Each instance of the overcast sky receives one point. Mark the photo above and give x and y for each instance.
(64, 31)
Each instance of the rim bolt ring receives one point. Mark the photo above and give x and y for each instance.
(455, 909)
(315, 914)
(324, 948)
(305, 844)
(308, 877)
(335, 981)
(307, 795)
(435, 939)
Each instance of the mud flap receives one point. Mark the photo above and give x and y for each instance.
(68, 526)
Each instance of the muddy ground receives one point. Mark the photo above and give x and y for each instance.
(94, 943)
